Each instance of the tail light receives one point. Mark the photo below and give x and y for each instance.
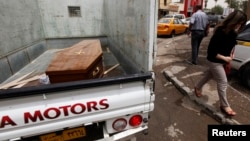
(135, 120)
(120, 124)
(166, 26)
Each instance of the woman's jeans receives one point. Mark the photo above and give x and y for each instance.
(216, 71)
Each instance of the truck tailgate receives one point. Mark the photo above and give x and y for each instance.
(46, 108)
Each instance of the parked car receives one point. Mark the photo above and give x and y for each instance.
(182, 17)
(221, 18)
(187, 20)
(171, 26)
(241, 61)
(213, 19)
(248, 22)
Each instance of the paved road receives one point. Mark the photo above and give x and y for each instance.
(176, 117)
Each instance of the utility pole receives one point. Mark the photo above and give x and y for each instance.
(248, 10)
(159, 1)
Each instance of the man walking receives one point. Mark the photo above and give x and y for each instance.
(199, 28)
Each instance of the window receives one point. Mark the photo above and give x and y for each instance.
(176, 21)
(74, 11)
(165, 2)
(163, 20)
(179, 16)
(168, 16)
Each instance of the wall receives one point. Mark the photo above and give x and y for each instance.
(212, 3)
(57, 22)
(20, 27)
(131, 26)
(128, 24)
(30, 27)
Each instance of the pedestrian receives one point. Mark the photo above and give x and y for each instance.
(199, 28)
(219, 52)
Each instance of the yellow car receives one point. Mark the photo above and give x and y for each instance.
(171, 26)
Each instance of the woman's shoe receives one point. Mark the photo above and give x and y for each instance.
(228, 111)
(197, 92)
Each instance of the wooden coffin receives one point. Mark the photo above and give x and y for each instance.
(79, 62)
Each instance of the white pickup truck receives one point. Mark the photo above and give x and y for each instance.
(105, 109)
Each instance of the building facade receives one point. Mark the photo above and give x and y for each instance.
(186, 6)
(177, 6)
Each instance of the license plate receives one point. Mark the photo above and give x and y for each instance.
(51, 137)
(74, 133)
(66, 135)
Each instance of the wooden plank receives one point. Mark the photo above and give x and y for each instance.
(110, 69)
(19, 86)
(26, 81)
(5, 86)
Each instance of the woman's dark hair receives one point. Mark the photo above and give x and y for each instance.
(232, 20)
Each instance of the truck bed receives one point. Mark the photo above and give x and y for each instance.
(40, 64)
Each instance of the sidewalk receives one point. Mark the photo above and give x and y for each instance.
(184, 76)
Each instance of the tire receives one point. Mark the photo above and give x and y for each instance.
(186, 31)
(172, 34)
(245, 76)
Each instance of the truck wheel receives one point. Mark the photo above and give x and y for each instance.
(245, 76)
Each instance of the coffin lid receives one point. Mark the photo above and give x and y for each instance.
(78, 58)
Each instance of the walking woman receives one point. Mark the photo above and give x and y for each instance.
(219, 53)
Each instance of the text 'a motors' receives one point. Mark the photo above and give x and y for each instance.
(55, 112)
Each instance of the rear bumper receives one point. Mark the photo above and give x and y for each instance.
(123, 134)
(163, 32)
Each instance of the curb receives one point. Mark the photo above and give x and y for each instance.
(207, 108)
